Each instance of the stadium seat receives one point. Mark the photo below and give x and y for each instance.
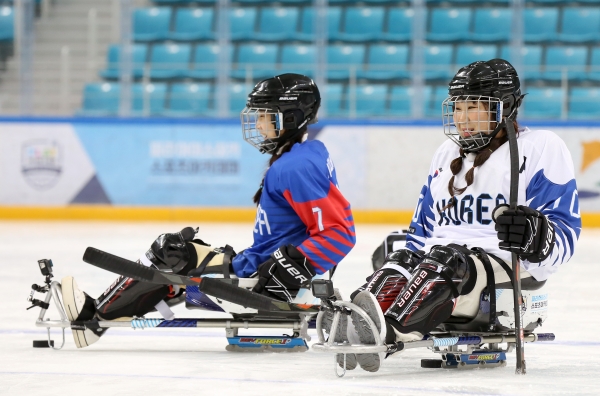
(307, 30)
(371, 100)
(206, 61)
(581, 24)
(540, 24)
(433, 108)
(113, 62)
(386, 62)
(151, 24)
(583, 103)
(341, 58)
(148, 99)
(449, 24)
(438, 62)
(334, 99)
(101, 99)
(531, 61)
(570, 59)
(362, 24)
(402, 100)
(299, 58)
(492, 24)
(399, 24)
(543, 103)
(7, 23)
(241, 22)
(257, 59)
(193, 24)
(277, 24)
(188, 100)
(238, 93)
(169, 60)
(594, 73)
(466, 54)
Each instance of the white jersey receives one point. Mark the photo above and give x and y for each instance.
(546, 183)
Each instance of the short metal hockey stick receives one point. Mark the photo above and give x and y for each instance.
(516, 281)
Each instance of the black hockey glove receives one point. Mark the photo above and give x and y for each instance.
(171, 251)
(282, 275)
(524, 231)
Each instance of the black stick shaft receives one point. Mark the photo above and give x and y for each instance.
(514, 196)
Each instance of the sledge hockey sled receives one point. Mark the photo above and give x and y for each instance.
(249, 310)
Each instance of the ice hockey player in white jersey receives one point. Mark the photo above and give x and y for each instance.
(462, 214)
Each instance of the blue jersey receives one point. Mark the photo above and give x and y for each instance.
(301, 205)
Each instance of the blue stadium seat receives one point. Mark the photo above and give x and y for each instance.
(148, 99)
(438, 62)
(238, 93)
(583, 103)
(341, 58)
(277, 24)
(531, 61)
(594, 73)
(543, 103)
(571, 59)
(206, 61)
(362, 24)
(151, 24)
(492, 24)
(259, 59)
(466, 54)
(113, 62)
(298, 58)
(193, 24)
(433, 107)
(540, 24)
(449, 24)
(386, 62)
(580, 25)
(399, 24)
(402, 100)
(307, 30)
(7, 23)
(334, 99)
(187, 100)
(169, 60)
(241, 22)
(371, 100)
(101, 99)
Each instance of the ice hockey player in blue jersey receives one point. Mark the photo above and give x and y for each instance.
(462, 219)
(303, 226)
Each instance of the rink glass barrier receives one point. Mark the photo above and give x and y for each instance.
(178, 169)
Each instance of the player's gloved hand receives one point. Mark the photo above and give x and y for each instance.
(170, 251)
(282, 275)
(524, 231)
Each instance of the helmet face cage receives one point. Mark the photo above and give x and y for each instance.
(471, 121)
(269, 119)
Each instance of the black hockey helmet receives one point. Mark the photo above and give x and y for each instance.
(494, 83)
(290, 100)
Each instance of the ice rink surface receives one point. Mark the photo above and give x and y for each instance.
(176, 361)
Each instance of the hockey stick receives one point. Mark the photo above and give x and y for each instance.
(516, 281)
(220, 288)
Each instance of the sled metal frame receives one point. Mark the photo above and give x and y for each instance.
(449, 341)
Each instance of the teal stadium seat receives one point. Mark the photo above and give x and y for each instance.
(594, 73)
(362, 24)
(334, 99)
(449, 24)
(241, 22)
(402, 100)
(543, 103)
(371, 100)
(530, 58)
(101, 99)
(399, 24)
(299, 58)
(341, 58)
(433, 108)
(583, 103)
(540, 24)
(148, 99)
(113, 61)
(277, 24)
(238, 94)
(206, 61)
(438, 62)
(572, 59)
(7, 23)
(193, 24)
(188, 100)
(386, 62)
(151, 24)
(466, 54)
(169, 60)
(257, 59)
(307, 29)
(492, 25)
(579, 25)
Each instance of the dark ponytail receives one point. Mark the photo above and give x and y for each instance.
(287, 146)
